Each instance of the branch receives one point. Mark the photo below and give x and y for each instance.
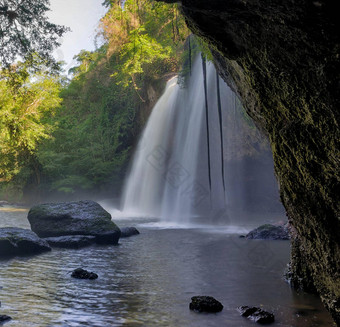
(136, 88)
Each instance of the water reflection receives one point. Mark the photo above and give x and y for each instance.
(13, 217)
(148, 281)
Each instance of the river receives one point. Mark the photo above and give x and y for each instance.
(148, 280)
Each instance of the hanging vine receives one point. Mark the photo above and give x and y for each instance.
(221, 127)
(204, 65)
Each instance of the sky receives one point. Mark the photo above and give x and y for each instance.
(82, 16)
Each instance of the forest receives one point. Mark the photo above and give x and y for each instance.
(65, 134)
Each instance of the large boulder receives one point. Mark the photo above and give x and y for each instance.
(270, 232)
(74, 218)
(18, 241)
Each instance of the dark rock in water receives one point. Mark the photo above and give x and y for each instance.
(74, 218)
(83, 274)
(18, 241)
(129, 231)
(4, 318)
(71, 241)
(205, 304)
(270, 232)
(256, 314)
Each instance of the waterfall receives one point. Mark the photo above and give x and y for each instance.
(171, 169)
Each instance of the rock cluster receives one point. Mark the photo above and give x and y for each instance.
(66, 225)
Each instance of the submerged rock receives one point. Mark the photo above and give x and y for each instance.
(18, 241)
(74, 218)
(205, 304)
(81, 273)
(4, 318)
(270, 232)
(71, 241)
(128, 231)
(256, 314)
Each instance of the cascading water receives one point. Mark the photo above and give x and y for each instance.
(172, 166)
(164, 166)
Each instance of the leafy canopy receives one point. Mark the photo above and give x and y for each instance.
(24, 109)
(25, 31)
(84, 144)
(102, 114)
(148, 36)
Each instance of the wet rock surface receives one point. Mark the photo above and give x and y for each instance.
(81, 273)
(205, 304)
(71, 242)
(74, 218)
(270, 232)
(18, 241)
(128, 231)
(256, 314)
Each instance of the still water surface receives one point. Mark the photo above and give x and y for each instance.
(148, 280)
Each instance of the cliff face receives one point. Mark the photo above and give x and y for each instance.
(282, 58)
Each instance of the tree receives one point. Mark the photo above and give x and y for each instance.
(24, 110)
(148, 34)
(85, 59)
(104, 104)
(25, 31)
(86, 144)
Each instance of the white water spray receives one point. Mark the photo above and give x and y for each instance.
(163, 180)
(169, 176)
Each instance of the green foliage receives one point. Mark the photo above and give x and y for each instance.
(97, 124)
(85, 59)
(25, 108)
(148, 35)
(86, 144)
(90, 144)
(25, 31)
(140, 50)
